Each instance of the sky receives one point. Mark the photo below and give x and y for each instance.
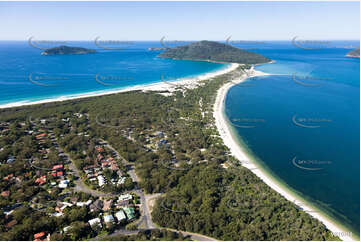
(180, 20)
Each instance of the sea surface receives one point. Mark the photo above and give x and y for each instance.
(28, 76)
(303, 124)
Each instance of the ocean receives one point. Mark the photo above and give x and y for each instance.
(302, 124)
(27, 76)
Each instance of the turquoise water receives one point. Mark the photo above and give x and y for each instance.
(304, 125)
(26, 75)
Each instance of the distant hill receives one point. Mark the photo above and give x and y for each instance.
(354, 53)
(67, 50)
(213, 51)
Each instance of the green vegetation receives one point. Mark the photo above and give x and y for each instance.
(67, 50)
(213, 51)
(176, 148)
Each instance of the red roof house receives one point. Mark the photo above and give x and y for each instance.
(58, 167)
(40, 136)
(5, 193)
(39, 236)
(41, 180)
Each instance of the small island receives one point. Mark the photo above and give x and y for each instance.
(354, 53)
(67, 50)
(213, 51)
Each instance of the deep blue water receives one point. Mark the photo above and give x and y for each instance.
(26, 75)
(304, 126)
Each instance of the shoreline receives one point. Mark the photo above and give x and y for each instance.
(222, 126)
(161, 86)
(241, 154)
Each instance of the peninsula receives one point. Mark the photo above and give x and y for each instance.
(213, 51)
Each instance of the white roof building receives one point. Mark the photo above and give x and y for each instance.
(57, 215)
(81, 204)
(95, 221)
(121, 180)
(125, 197)
(120, 215)
(108, 218)
(101, 180)
(65, 229)
(63, 184)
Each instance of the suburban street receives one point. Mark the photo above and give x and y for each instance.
(145, 221)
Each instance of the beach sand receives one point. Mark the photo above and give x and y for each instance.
(241, 154)
(225, 132)
(168, 87)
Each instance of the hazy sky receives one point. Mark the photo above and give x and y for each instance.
(179, 20)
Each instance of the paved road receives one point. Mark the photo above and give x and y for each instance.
(130, 166)
(81, 187)
(79, 184)
(146, 218)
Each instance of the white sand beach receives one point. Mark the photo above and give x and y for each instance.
(222, 126)
(240, 153)
(166, 86)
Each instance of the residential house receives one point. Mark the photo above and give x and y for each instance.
(95, 222)
(41, 180)
(121, 180)
(107, 205)
(63, 184)
(39, 236)
(120, 215)
(125, 197)
(108, 219)
(101, 180)
(81, 204)
(96, 206)
(130, 212)
(40, 136)
(10, 160)
(8, 177)
(66, 229)
(5, 193)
